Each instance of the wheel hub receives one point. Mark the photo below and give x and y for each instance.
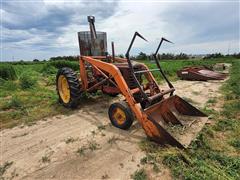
(119, 116)
(63, 89)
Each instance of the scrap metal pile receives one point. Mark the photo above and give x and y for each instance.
(195, 73)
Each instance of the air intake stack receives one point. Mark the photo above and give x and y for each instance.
(92, 43)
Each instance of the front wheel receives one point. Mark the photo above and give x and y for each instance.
(120, 115)
(68, 87)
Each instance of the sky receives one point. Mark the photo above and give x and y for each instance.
(40, 29)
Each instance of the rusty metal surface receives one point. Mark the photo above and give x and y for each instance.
(178, 121)
(199, 74)
(98, 47)
(127, 75)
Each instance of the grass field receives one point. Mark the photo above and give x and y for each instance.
(216, 152)
(32, 95)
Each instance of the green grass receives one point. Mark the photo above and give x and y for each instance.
(70, 140)
(27, 81)
(235, 143)
(112, 140)
(32, 95)
(93, 145)
(45, 159)
(81, 151)
(29, 98)
(7, 72)
(170, 67)
(4, 167)
(232, 93)
(139, 175)
(215, 154)
(48, 69)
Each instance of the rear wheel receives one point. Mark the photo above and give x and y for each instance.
(120, 115)
(68, 87)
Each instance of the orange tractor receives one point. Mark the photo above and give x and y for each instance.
(169, 120)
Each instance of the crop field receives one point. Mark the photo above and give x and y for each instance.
(31, 94)
(29, 104)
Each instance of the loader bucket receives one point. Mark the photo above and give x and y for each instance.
(200, 74)
(177, 121)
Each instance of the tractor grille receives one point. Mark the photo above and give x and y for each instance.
(127, 75)
(131, 82)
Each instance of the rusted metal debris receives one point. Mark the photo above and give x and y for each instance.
(200, 74)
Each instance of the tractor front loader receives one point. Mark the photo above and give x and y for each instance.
(169, 120)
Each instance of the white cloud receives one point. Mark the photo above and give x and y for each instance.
(225, 46)
(49, 28)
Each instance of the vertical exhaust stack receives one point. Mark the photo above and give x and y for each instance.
(113, 51)
(92, 42)
(91, 20)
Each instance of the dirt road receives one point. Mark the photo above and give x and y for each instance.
(84, 145)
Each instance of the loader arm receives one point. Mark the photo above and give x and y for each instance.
(145, 97)
(154, 129)
(148, 100)
(148, 125)
(159, 66)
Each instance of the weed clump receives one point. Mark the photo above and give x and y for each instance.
(14, 103)
(112, 140)
(51, 80)
(2, 81)
(4, 167)
(61, 64)
(70, 140)
(81, 151)
(8, 85)
(203, 165)
(7, 72)
(48, 69)
(235, 143)
(45, 159)
(139, 175)
(27, 81)
(92, 145)
(231, 90)
(225, 125)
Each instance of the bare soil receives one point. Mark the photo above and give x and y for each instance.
(85, 145)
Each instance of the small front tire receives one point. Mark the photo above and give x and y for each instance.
(120, 115)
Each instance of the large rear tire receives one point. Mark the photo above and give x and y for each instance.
(120, 115)
(68, 87)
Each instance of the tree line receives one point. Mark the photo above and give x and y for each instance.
(163, 56)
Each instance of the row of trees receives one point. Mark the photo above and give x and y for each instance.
(219, 55)
(57, 58)
(144, 56)
(69, 58)
(164, 56)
